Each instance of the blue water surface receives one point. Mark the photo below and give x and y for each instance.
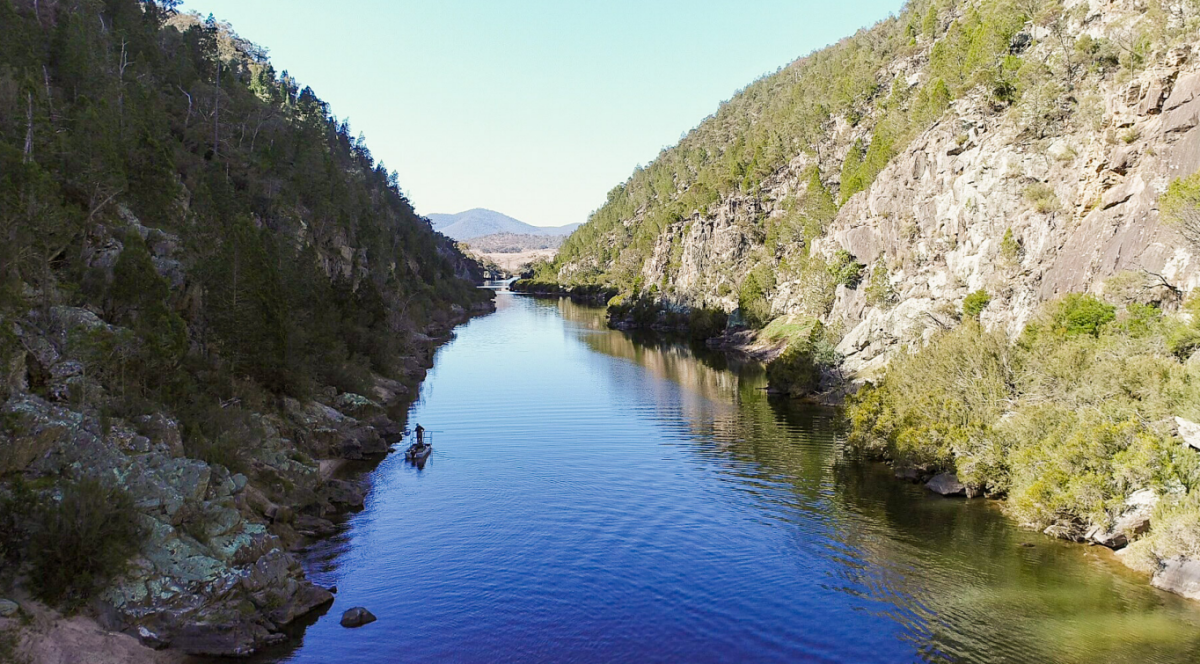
(592, 498)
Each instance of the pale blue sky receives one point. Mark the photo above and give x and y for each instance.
(534, 108)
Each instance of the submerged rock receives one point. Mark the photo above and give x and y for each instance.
(357, 617)
(946, 484)
(8, 608)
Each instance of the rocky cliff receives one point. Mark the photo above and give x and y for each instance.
(1026, 186)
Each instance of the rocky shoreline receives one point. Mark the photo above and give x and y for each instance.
(216, 574)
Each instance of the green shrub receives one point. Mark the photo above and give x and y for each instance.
(974, 304)
(752, 296)
(705, 324)
(879, 288)
(80, 540)
(1010, 251)
(795, 372)
(845, 270)
(1082, 314)
(1067, 423)
(1042, 197)
(16, 504)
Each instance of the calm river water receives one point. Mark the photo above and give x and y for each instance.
(595, 499)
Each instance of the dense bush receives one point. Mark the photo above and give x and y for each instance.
(810, 351)
(752, 296)
(845, 270)
(704, 324)
(70, 539)
(1066, 422)
(795, 372)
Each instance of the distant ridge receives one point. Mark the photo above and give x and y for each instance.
(480, 222)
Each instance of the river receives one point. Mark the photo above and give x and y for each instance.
(591, 498)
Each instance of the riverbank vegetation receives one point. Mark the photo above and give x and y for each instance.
(1066, 422)
(187, 235)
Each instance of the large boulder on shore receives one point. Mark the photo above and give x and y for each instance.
(946, 484)
(1133, 521)
(1180, 576)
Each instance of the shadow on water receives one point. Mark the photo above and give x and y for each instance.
(609, 497)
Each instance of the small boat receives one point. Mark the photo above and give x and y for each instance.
(418, 452)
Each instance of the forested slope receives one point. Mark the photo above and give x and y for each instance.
(986, 211)
(207, 286)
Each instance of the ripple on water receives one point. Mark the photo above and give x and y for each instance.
(593, 499)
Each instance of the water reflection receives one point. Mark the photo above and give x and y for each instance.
(965, 582)
(599, 497)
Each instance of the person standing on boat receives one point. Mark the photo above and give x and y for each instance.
(420, 435)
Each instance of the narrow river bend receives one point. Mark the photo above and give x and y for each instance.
(595, 499)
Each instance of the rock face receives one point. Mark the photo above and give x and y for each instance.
(357, 617)
(946, 484)
(1077, 202)
(1180, 576)
(215, 575)
(1189, 431)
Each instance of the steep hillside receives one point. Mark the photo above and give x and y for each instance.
(921, 206)
(922, 149)
(211, 296)
(479, 222)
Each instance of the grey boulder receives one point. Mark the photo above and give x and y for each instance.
(357, 617)
(1180, 576)
(946, 484)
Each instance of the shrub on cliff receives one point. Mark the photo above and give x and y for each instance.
(75, 541)
(975, 303)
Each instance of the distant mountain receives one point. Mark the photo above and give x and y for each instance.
(479, 222)
(509, 243)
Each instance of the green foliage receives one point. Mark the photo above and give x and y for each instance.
(1183, 339)
(845, 270)
(879, 287)
(795, 372)
(810, 350)
(302, 261)
(974, 304)
(1042, 197)
(788, 113)
(75, 541)
(752, 296)
(1066, 423)
(853, 180)
(976, 45)
(1010, 251)
(1182, 195)
(138, 297)
(1074, 314)
(704, 324)
(1180, 205)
